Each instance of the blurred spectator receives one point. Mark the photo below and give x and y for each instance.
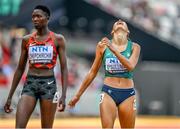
(156, 16)
(0, 51)
(3, 79)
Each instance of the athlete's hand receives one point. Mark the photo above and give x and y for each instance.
(73, 101)
(105, 41)
(7, 106)
(61, 104)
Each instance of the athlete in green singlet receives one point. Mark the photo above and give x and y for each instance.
(119, 57)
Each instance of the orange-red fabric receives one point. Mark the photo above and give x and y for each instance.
(49, 41)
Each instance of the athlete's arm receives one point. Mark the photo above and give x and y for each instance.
(18, 73)
(91, 74)
(127, 63)
(64, 71)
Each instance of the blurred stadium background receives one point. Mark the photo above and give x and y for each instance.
(154, 24)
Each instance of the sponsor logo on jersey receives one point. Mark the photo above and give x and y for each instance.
(40, 54)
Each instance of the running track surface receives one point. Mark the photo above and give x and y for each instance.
(142, 122)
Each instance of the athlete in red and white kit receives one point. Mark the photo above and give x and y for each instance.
(41, 49)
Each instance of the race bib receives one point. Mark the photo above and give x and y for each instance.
(56, 97)
(101, 98)
(113, 65)
(40, 54)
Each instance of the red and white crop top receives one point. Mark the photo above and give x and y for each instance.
(42, 54)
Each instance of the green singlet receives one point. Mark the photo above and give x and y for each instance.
(113, 67)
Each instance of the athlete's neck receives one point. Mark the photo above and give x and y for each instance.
(118, 41)
(42, 31)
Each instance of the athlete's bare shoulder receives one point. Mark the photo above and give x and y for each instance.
(136, 45)
(60, 40)
(26, 38)
(59, 36)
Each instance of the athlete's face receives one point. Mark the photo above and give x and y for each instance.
(39, 18)
(120, 27)
(120, 30)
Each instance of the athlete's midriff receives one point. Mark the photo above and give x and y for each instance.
(117, 82)
(40, 72)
